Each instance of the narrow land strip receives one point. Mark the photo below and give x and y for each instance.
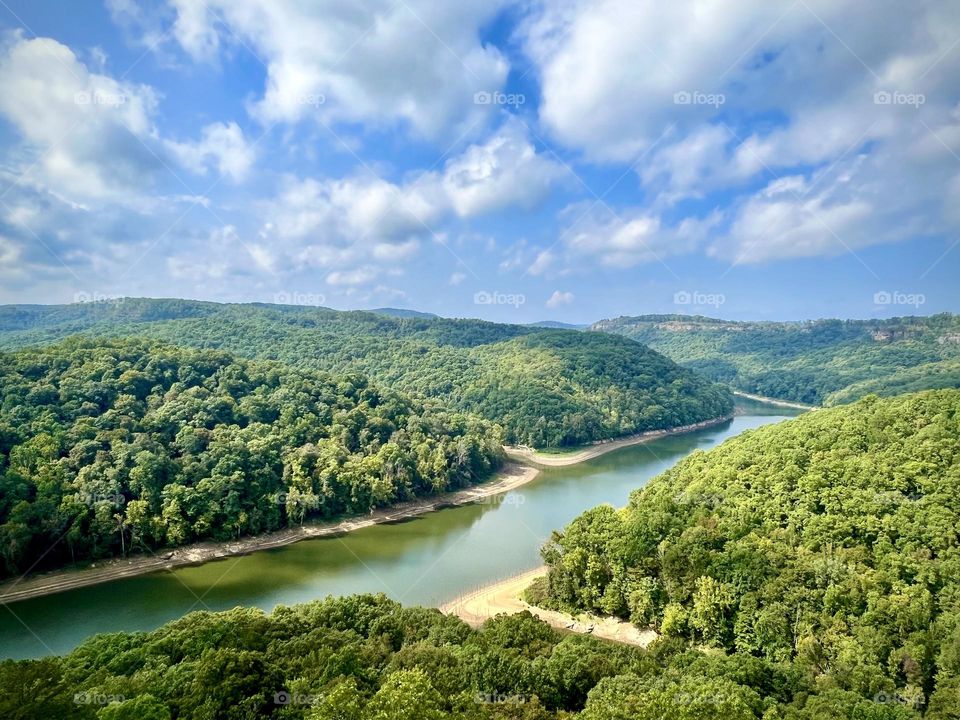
(773, 401)
(531, 456)
(505, 597)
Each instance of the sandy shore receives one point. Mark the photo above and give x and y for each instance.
(510, 476)
(773, 401)
(504, 597)
(528, 455)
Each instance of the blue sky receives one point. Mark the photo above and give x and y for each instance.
(516, 161)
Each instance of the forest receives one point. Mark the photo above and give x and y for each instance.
(821, 362)
(826, 545)
(116, 447)
(368, 658)
(545, 387)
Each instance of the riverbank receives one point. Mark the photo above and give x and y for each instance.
(522, 470)
(511, 476)
(505, 597)
(773, 401)
(528, 455)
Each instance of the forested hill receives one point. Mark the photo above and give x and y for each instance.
(828, 544)
(121, 446)
(820, 362)
(546, 387)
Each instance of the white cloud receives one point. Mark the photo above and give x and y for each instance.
(504, 171)
(559, 298)
(358, 276)
(221, 144)
(417, 62)
(90, 138)
(456, 278)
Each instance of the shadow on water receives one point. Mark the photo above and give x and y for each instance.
(428, 560)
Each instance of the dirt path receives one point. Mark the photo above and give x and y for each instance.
(528, 455)
(504, 597)
(511, 476)
(773, 401)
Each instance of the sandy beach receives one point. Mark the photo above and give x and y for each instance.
(504, 597)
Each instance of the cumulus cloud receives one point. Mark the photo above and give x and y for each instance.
(415, 62)
(818, 91)
(222, 145)
(558, 299)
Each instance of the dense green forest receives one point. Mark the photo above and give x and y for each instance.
(367, 658)
(828, 545)
(121, 446)
(545, 387)
(824, 362)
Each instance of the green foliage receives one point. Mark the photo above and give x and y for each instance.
(827, 543)
(545, 387)
(824, 362)
(368, 658)
(123, 446)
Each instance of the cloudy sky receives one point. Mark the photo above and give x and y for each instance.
(517, 161)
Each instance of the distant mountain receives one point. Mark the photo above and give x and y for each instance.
(557, 325)
(817, 362)
(545, 387)
(403, 313)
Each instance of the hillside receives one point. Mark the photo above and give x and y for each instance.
(823, 362)
(546, 387)
(827, 544)
(124, 446)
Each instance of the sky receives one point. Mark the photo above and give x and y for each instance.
(516, 161)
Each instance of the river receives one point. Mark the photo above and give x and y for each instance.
(426, 561)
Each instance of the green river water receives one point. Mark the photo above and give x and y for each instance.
(427, 561)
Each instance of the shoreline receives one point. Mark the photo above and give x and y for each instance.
(523, 466)
(509, 477)
(773, 401)
(602, 447)
(503, 596)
